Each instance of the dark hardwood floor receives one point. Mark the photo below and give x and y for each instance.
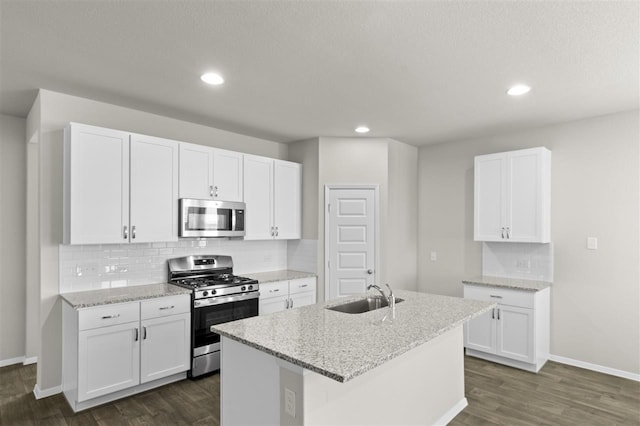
(498, 395)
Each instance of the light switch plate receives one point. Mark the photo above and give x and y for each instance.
(592, 243)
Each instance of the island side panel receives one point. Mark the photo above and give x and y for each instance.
(424, 386)
(249, 386)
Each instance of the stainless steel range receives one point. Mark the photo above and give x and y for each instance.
(218, 296)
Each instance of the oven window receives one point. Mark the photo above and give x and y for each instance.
(206, 316)
(208, 219)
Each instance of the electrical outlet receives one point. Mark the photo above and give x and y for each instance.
(434, 256)
(289, 402)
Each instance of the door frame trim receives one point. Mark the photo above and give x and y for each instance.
(376, 224)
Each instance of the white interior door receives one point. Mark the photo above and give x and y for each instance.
(350, 238)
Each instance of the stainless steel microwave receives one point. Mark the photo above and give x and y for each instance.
(206, 218)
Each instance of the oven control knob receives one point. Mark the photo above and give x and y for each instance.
(250, 287)
(205, 293)
(213, 292)
(243, 288)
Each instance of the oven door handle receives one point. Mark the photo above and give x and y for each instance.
(200, 303)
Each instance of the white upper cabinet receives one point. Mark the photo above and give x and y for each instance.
(119, 187)
(210, 173)
(272, 195)
(512, 196)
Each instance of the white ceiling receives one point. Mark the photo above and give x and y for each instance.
(417, 71)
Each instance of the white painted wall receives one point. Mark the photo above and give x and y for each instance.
(13, 187)
(55, 110)
(595, 186)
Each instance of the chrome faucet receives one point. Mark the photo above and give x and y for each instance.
(391, 298)
(384, 296)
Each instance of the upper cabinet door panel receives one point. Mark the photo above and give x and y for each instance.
(258, 197)
(528, 209)
(490, 197)
(96, 185)
(227, 175)
(287, 197)
(196, 174)
(154, 189)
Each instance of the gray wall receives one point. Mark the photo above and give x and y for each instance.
(13, 188)
(595, 192)
(56, 110)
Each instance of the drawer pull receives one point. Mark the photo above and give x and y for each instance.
(495, 297)
(164, 308)
(273, 291)
(304, 285)
(111, 316)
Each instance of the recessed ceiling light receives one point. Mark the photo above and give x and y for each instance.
(362, 129)
(212, 78)
(518, 89)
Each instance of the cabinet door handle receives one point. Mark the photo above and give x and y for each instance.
(508, 233)
(111, 316)
(135, 338)
(144, 333)
(133, 232)
(286, 304)
(498, 314)
(276, 231)
(126, 233)
(493, 313)
(502, 233)
(272, 231)
(216, 191)
(291, 303)
(164, 308)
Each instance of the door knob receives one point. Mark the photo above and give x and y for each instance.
(370, 271)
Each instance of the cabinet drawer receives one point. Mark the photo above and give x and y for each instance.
(165, 306)
(521, 298)
(102, 316)
(278, 288)
(302, 285)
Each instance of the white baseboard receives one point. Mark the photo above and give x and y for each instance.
(452, 412)
(595, 367)
(11, 361)
(40, 393)
(30, 360)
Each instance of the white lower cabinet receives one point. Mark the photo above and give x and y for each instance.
(116, 350)
(282, 295)
(515, 333)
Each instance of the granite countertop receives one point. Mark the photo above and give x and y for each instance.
(87, 299)
(514, 283)
(283, 275)
(343, 346)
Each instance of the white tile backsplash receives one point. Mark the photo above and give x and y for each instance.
(89, 267)
(518, 260)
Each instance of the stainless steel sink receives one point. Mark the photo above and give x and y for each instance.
(371, 303)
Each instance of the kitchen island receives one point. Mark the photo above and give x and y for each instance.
(315, 366)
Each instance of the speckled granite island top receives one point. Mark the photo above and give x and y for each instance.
(283, 275)
(343, 346)
(513, 283)
(87, 299)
